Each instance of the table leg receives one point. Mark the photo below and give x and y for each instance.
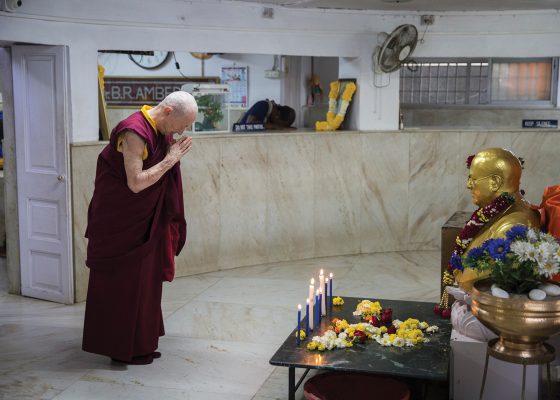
(484, 374)
(291, 383)
(523, 383)
(548, 380)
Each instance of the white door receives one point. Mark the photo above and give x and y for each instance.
(42, 121)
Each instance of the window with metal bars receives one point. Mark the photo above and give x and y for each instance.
(476, 82)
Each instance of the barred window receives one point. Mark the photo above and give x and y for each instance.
(521, 80)
(478, 82)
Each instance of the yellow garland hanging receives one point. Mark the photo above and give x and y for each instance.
(334, 121)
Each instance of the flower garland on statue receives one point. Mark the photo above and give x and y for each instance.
(380, 327)
(478, 220)
(334, 121)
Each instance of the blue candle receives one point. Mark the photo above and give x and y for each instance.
(317, 309)
(298, 322)
(321, 303)
(330, 288)
(325, 292)
(307, 318)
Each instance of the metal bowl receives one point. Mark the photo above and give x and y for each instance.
(523, 325)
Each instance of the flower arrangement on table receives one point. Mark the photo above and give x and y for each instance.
(368, 308)
(338, 301)
(379, 326)
(521, 263)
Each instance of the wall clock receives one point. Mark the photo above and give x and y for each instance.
(150, 62)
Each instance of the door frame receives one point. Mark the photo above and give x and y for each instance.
(10, 173)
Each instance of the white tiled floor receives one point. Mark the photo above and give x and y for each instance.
(222, 328)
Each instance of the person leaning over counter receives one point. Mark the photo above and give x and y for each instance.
(270, 114)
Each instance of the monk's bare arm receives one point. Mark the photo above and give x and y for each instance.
(133, 149)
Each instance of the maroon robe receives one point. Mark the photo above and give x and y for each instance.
(133, 238)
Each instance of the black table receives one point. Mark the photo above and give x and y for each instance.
(427, 362)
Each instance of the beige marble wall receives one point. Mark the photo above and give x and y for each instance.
(253, 199)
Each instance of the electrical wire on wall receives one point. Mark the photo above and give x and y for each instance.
(178, 66)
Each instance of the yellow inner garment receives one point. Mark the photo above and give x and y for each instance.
(120, 139)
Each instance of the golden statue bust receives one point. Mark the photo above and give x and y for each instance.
(493, 172)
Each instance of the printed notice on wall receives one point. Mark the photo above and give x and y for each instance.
(236, 77)
(540, 123)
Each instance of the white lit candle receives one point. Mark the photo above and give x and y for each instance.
(311, 319)
(321, 286)
(311, 292)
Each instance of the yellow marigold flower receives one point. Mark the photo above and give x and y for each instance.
(321, 347)
(338, 301)
(383, 329)
(312, 345)
(349, 344)
(301, 334)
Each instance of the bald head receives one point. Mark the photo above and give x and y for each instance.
(500, 162)
(493, 171)
(175, 113)
(182, 103)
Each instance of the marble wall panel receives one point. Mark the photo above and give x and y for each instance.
(383, 172)
(337, 192)
(290, 221)
(266, 198)
(432, 187)
(540, 151)
(200, 170)
(83, 164)
(243, 185)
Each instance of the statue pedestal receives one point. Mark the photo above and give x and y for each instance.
(503, 380)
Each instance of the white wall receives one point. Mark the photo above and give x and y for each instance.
(233, 27)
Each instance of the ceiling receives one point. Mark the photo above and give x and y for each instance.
(416, 5)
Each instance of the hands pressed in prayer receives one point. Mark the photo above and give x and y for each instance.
(179, 148)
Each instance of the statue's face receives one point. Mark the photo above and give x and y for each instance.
(479, 183)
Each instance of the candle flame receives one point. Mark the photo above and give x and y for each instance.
(321, 273)
(330, 275)
(321, 290)
(317, 292)
(307, 300)
(327, 280)
(312, 281)
(299, 307)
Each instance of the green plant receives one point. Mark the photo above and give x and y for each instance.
(211, 109)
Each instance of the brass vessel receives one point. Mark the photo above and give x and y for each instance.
(522, 324)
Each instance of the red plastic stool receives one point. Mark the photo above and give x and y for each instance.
(347, 386)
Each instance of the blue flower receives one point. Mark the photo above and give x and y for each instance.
(498, 248)
(517, 232)
(456, 262)
(475, 253)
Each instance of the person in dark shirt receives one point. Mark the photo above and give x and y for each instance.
(272, 115)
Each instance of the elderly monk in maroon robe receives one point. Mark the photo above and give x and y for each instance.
(136, 226)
